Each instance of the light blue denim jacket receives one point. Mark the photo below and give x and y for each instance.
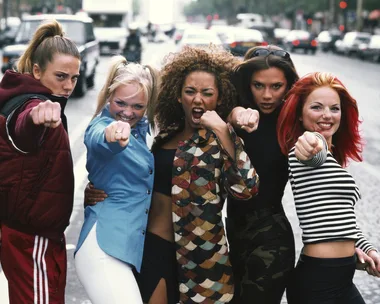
(126, 175)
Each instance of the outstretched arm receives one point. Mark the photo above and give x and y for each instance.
(246, 119)
(30, 125)
(311, 149)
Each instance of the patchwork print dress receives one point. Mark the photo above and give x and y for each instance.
(203, 173)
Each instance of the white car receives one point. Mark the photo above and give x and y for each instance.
(111, 39)
(199, 38)
(351, 41)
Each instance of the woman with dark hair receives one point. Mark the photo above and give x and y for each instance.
(39, 185)
(207, 161)
(261, 239)
(319, 129)
(198, 160)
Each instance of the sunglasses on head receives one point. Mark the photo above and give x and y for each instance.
(266, 52)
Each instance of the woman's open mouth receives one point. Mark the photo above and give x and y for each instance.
(197, 114)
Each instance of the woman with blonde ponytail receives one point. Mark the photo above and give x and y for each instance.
(37, 179)
(111, 242)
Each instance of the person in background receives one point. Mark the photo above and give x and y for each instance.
(37, 179)
(112, 238)
(319, 129)
(133, 47)
(198, 160)
(262, 249)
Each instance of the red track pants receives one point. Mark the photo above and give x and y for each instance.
(34, 266)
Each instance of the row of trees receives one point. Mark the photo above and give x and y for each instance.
(228, 9)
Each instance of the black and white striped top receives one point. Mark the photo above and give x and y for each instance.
(324, 197)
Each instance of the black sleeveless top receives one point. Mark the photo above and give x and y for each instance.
(163, 163)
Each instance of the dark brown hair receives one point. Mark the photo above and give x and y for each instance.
(244, 71)
(178, 66)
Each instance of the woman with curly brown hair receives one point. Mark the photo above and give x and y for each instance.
(198, 160)
(207, 161)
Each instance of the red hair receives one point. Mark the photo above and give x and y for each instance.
(346, 142)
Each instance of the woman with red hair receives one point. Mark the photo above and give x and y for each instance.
(319, 125)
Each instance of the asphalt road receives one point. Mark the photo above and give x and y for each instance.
(361, 78)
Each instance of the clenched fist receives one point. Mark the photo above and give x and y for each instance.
(308, 145)
(47, 113)
(118, 131)
(248, 119)
(212, 121)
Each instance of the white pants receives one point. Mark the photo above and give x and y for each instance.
(106, 279)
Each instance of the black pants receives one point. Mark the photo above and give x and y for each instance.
(262, 255)
(159, 262)
(324, 281)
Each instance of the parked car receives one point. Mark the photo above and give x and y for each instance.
(370, 51)
(267, 31)
(238, 40)
(8, 34)
(78, 28)
(279, 35)
(244, 39)
(199, 38)
(300, 40)
(326, 40)
(350, 43)
(179, 30)
(111, 39)
(160, 37)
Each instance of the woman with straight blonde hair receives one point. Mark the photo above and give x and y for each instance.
(112, 239)
(37, 179)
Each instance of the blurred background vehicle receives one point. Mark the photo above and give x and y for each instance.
(326, 40)
(370, 51)
(244, 39)
(279, 35)
(77, 28)
(167, 28)
(110, 23)
(179, 29)
(226, 34)
(9, 30)
(300, 40)
(161, 37)
(248, 19)
(350, 43)
(198, 37)
(267, 31)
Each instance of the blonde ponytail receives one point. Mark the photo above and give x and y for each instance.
(116, 62)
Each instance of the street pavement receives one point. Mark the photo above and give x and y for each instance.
(361, 79)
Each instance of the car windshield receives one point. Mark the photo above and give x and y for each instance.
(72, 29)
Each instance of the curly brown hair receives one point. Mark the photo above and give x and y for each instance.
(177, 66)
